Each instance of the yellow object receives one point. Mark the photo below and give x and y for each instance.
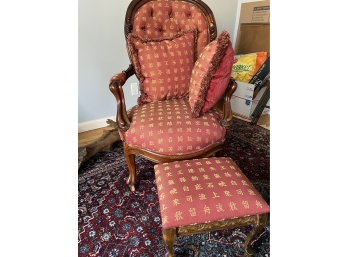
(243, 68)
(246, 65)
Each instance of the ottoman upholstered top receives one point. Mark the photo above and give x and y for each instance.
(205, 190)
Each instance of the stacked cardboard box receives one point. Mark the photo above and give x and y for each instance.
(253, 36)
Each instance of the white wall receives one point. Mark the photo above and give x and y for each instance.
(102, 53)
(225, 14)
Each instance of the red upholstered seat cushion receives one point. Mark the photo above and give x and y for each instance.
(166, 127)
(211, 74)
(163, 65)
(205, 190)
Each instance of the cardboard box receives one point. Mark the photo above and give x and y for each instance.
(255, 12)
(242, 101)
(253, 36)
(247, 95)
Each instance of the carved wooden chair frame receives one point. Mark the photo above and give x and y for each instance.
(122, 119)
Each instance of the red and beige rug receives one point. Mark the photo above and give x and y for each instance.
(113, 221)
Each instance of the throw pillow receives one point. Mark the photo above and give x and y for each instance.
(220, 80)
(211, 74)
(163, 66)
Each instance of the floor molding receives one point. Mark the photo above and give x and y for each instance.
(94, 124)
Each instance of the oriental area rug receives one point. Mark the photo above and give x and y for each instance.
(113, 221)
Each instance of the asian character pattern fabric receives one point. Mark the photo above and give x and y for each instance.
(164, 65)
(166, 127)
(211, 74)
(165, 18)
(205, 190)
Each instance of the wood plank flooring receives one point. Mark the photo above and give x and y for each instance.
(88, 137)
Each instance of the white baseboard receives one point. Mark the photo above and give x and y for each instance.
(94, 124)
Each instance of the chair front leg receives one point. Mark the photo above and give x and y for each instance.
(130, 159)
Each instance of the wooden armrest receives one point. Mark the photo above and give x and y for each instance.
(226, 108)
(115, 86)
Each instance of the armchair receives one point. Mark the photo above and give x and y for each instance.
(164, 39)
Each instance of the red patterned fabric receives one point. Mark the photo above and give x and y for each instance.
(205, 190)
(219, 82)
(163, 65)
(163, 18)
(166, 127)
(207, 70)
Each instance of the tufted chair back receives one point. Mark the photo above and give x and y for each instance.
(163, 18)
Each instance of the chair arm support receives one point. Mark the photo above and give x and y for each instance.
(226, 109)
(115, 86)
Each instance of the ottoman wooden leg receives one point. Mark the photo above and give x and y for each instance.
(258, 226)
(169, 236)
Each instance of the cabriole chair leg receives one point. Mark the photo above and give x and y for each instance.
(130, 159)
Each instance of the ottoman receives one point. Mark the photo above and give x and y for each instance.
(207, 194)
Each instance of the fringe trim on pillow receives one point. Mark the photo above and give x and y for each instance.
(222, 43)
(135, 60)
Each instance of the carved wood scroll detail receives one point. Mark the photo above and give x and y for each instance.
(213, 33)
(216, 225)
(128, 27)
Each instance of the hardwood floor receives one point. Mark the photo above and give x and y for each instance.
(88, 137)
